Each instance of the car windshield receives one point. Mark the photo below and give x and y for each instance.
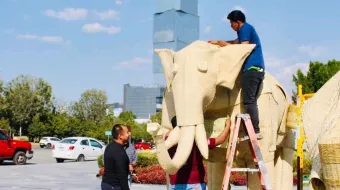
(69, 141)
(44, 138)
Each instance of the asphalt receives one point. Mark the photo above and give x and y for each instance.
(43, 173)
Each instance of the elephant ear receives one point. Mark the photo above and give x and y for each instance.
(167, 57)
(231, 59)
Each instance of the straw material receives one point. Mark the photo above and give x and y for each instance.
(330, 161)
(321, 121)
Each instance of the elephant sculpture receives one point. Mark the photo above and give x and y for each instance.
(203, 83)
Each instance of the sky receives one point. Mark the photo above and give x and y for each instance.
(77, 45)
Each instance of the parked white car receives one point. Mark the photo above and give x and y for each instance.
(48, 142)
(77, 148)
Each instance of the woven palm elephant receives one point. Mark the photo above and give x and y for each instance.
(203, 83)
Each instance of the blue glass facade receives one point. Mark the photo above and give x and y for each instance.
(143, 101)
(176, 24)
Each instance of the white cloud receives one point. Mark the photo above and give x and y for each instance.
(96, 27)
(134, 63)
(312, 51)
(286, 73)
(237, 7)
(46, 39)
(67, 14)
(164, 36)
(108, 15)
(272, 61)
(119, 2)
(207, 29)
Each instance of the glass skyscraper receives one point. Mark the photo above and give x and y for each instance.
(143, 101)
(176, 24)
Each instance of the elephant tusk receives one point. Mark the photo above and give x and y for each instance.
(201, 140)
(173, 138)
(185, 144)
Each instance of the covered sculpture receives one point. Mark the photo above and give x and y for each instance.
(321, 123)
(203, 83)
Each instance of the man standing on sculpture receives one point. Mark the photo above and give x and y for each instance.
(253, 68)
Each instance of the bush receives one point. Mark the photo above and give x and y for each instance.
(100, 161)
(146, 159)
(150, 175)
(307, 166)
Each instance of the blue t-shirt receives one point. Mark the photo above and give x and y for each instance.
(247, 33)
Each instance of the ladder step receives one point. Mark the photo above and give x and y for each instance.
(244, 170)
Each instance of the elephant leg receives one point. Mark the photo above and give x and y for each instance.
(284, 164)
(215, 175)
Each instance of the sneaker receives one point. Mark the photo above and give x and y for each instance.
(259, 136)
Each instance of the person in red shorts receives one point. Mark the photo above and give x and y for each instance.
(191, 175)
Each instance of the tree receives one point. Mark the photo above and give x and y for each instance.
(37, 128)
(157, 117)
(317, 75)
(127, 117)
(2, 100)
(91, 106)
(139, 132)
(25, 97)
(4, 124)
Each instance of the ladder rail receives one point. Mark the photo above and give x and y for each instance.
(255, 150)
(230, 156)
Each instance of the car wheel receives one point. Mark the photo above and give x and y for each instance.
(81, 158)
(42, 146)
(49, 145)
(19, 158)
(59, 160)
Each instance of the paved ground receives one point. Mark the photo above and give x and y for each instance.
(43, 173)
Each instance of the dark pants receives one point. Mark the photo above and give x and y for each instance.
(251, 81)
(106, 186)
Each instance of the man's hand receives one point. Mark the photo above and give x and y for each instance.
(222, 43)
(130, 168)
(213, 42)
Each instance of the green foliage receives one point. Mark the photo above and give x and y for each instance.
(307, 166)
(91, 106)
(4, 124)
(26, 102)
(139, 132)
(26, 96)
(127, 117)
(157, 118)
(37, 128)
(100, 161)
(317, 75)
(146, 159)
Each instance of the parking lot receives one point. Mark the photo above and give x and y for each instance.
(43, 173)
